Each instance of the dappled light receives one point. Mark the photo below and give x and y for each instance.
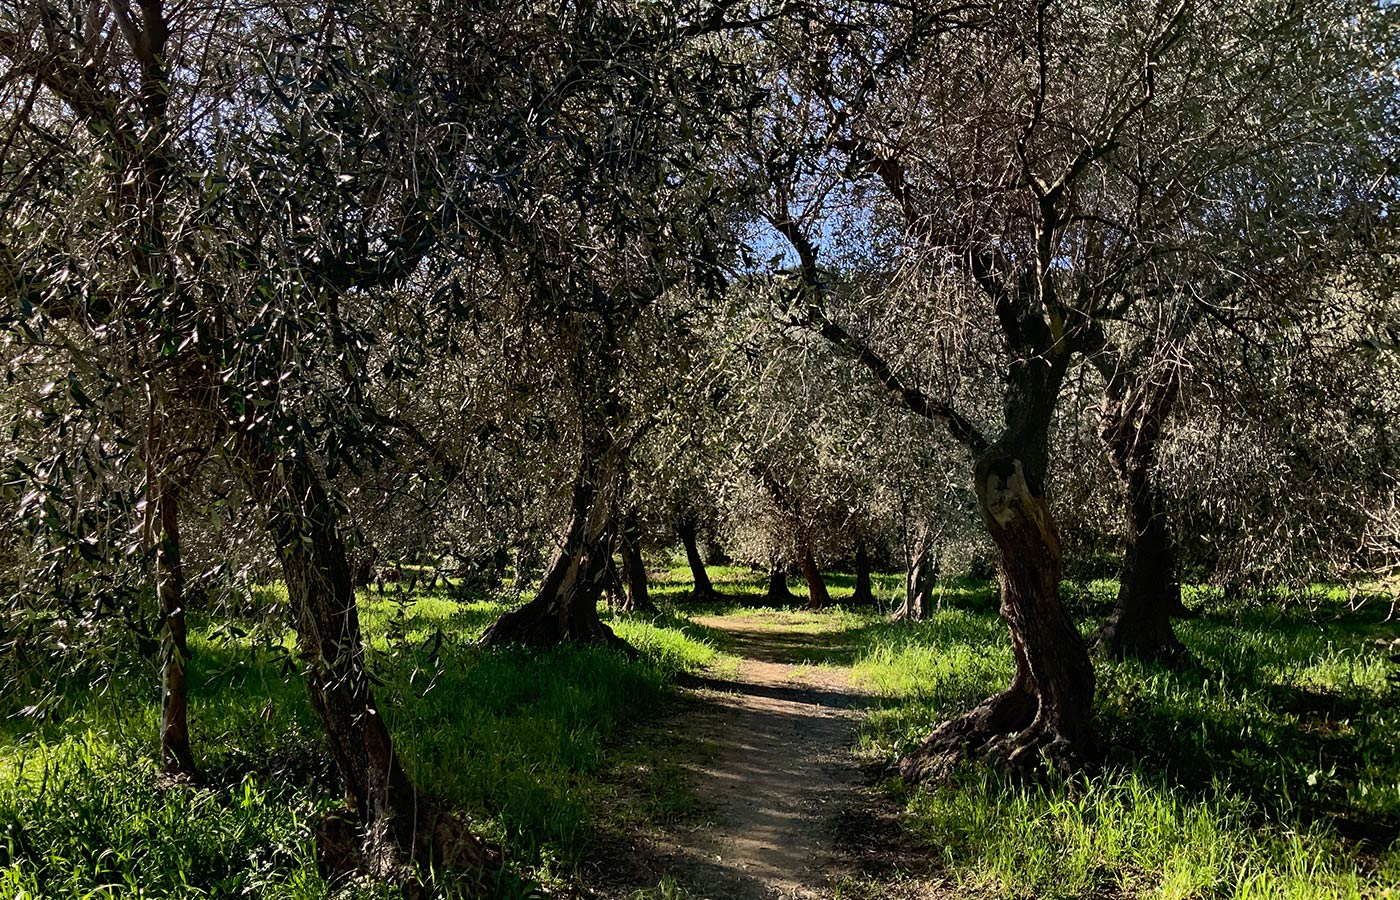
(700, 450)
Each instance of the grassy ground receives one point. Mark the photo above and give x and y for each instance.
(1272, 771)
(518, 739)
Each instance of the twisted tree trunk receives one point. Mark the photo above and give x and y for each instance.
(566, 607)
(1045, 717)
(702, 588)
(386, 830)
(1149, 593)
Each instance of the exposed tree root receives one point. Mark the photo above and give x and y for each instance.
(540, 623)
(347, 852)
(1005, 730)
(705, 595)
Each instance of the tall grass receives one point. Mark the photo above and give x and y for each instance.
(1270, 771)
(517, 739)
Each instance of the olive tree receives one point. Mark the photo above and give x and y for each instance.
(1049, 158)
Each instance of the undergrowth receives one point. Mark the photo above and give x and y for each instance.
(516, 739)
(1269, 771)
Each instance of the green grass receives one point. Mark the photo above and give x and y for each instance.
(519, 740)
(1270, 772)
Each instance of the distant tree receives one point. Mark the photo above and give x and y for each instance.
(636, 210)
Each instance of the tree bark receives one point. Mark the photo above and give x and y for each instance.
(818, 597)
(702, 588)
(386, 829)
(1149, 593)
(778, 592)
(638, 596)
(1045, 717)
(176, 758)
(864, 593)
(566, 607)
(920, 578)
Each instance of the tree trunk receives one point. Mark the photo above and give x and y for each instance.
(778, 593)
(176, 758)
(1045, 716)
(526, 560)
(638, 597)
(612, 583)
(817, 595)
(702, 589)
(864, 593)
(1149, 593)
(1044, 719)
(386, 828)
(920, 578)
(566, 607)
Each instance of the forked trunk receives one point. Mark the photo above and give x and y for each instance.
(864, 593)
(1045, 717)
(176, 758)
(817, 595)
(566, 607)
(387, 830)
(1149, 592)
(702, 589)
(919, 580)
(638, 597)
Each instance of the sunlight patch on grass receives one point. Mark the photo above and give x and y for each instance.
(517, 739)
(1241, 777)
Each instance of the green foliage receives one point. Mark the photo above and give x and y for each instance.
(1269, 772)
(84, 815)
(516, 739)
(1125, 834)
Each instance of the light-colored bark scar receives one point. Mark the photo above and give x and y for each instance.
(1009, 497)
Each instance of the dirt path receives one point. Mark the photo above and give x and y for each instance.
(778, 770)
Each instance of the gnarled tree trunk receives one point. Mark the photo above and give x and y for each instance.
(1045, 717)
(566, 607)
(1149, 592)
(818, 597)
(702, 589)
(386, 829)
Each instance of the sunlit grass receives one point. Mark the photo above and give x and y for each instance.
(1271, 771)
(517, 739)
